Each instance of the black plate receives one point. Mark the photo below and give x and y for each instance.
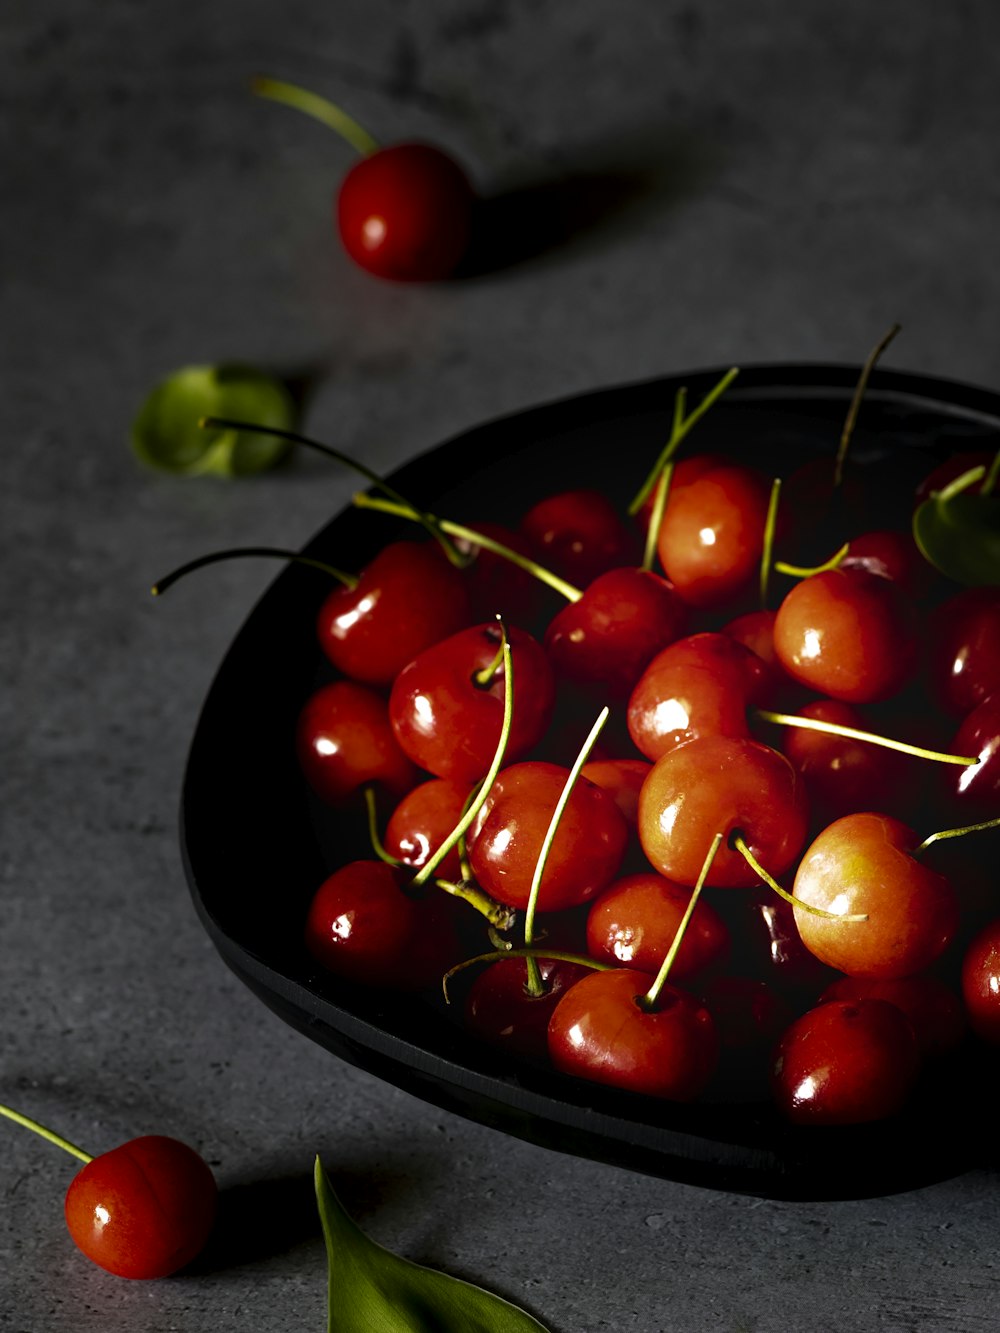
(256, 845)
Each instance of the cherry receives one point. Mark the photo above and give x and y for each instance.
(345, 742)
(772, 946)
(600, 1031)
(963, 649)
(408, 598)
(865, 864)
(421, 822)
(404, 211)
(845, 1062)
(755, 630)
(579, 535)
(847, 633)
(624, 617)
(635, 919)
(495, 583)
(507, 836)
(142, 1210)
(981, 982)
(749, 1015)
(728, 785)
(701, 685)
(893, 555)
(622, 779)
(501, 1010)
(934, 1010)
(976, 788)
(446, 706)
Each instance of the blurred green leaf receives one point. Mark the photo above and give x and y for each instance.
(958, 531)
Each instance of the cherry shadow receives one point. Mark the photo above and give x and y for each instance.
(613, 191)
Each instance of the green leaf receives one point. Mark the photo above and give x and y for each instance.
(166, 434)
(959, 531)
(372, 1290)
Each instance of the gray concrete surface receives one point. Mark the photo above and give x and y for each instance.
(809, 173)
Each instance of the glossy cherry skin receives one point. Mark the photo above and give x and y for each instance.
(846, 1062)
(975, 790)
(719, 784)
(143, 1210)
(406, 599)
(363, 926)
(963, 650)
(848, 634)
(497, 586)
(622, 779)
(893, 555)
(712, 536)
(864, 864)
(344, 742)
(499, 1010)
(507, 835)
(423, 819)
(449, 724)
(580, 534)
(607, 637)
(635, 919)
(770, 946)
(701, 685)
(600, 1032)
(405, 212)
(981, 982)
(934, 1010)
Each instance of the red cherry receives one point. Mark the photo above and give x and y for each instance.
(893, 555)
(934, 1010)
(848, 634)
(772, 946)
(507, 835)
(600, 1031)
(755, 630)
(846, 1062)
(622, 779)
(712, 536)
(580, 534)
(720, 784)
(345, 742)
(701, 685)
(421, 822)
(981, 982)
(449, 723)
(404, 601)
(963, 650)
(499, 1009)
(864, 864)
(144, 1209)
(749, 1015)
(635, 919)
(607, 637)
(405, 212)
(497, 586)
(975, 789)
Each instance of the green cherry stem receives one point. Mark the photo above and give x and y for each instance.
(45, 1133)
(403, 510)
(433, 527)
(767, 554)
(854, 734)
(739, 842)
(238, 552)
(650, 999)
(319, 108)
(557, 955)
(955, 833)
(373, 835)
(992, 476)
(656, 517)
(859, 393)
(682, 427)
(497, 914)
(807, 571)
(535, 986)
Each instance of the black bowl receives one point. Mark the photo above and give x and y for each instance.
(256, 844)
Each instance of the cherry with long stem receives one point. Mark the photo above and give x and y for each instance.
(649, 1000)
(854, 733)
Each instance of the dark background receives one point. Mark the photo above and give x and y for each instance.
(712, 184)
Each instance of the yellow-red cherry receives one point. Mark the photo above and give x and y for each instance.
(634, 921)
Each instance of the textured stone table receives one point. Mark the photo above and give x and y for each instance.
(742, 183)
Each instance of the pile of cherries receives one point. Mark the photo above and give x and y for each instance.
(825, 943)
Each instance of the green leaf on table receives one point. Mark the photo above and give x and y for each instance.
(372, 1290)
(166, 434)
(958, 531)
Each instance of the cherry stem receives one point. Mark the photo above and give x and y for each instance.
(535, 985)
(648, 1001)
(567, 590)
(656, 517)
(859, 393)
(483, 678)
(373, 837)
(854, 734)
(964, 482)
(955, 833)
(431, 864)
(531, 955)
(319, 108)
(432, 526)
(682, 426)
(739, 842)
(767, 553)
(497, 914)
(807, 571)
(992, 476)
(45, 1133)
(238, 552)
